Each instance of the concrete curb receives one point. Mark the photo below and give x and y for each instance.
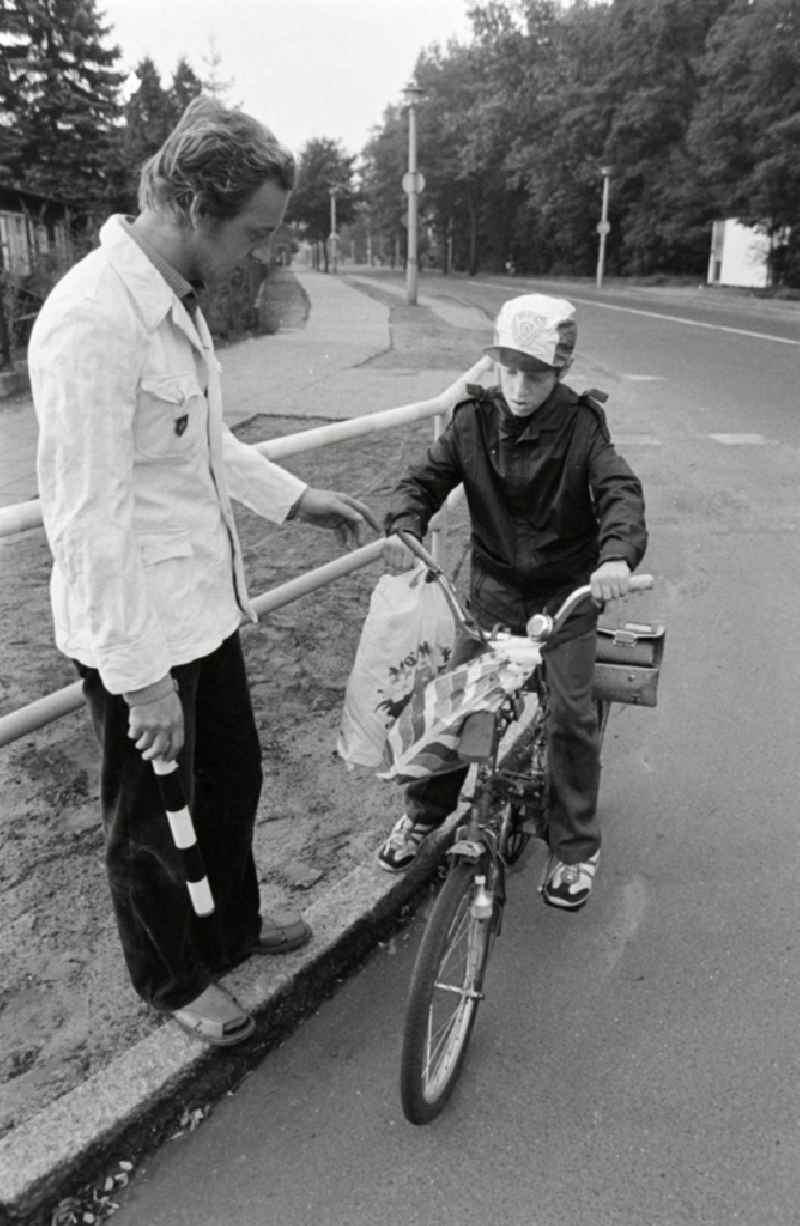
(134, 1103)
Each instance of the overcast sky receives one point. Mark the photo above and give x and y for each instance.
(306, 68)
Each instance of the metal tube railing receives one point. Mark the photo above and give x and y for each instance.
(45, 710)
(25, 515)
(20, 517)
(28, 515)
(42, 711)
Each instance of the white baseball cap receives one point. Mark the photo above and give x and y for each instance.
(534, 331)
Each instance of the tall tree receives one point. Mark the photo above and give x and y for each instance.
(148, 119)
(213, 83)
(323, 166)
(693, 103)
(13, 56)
(746, 127)
(152, 111)
(453, 122)
(655, 47)
(185, 85)
(529, 74)
(69, 105)
(384, 160)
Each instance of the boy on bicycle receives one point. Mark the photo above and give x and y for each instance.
(552, 506)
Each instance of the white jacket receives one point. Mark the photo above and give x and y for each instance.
(137, 469)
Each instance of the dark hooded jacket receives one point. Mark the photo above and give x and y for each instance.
(548, 495)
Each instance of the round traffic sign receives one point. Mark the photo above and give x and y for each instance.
(413, 181)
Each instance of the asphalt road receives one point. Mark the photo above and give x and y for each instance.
(636, 1064)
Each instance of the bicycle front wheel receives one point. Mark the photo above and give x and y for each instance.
(446, 988)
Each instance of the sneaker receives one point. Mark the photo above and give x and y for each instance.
(402, 845)
(569, 885)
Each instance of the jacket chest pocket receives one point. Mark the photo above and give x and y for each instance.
(170, 417)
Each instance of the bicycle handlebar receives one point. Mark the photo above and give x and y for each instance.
(541, 626)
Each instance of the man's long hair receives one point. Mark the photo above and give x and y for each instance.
(212, 162)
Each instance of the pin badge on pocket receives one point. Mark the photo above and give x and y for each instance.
(181, 423)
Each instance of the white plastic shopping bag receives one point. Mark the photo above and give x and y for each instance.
(407, 639)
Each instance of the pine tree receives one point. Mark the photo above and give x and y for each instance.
(218, 87)
(152, 112)
(13, 54)
(185, 85)
(68, 107)
(147, 121)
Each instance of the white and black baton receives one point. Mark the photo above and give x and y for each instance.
(183, 835)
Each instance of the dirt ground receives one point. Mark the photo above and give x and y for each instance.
(66, 1007)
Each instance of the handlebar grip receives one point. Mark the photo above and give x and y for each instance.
(640, 583)
(183, 835)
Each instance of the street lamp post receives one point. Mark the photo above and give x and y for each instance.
(603, 226)
(332, 193)
(413, 183)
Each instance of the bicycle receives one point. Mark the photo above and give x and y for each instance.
(507, 808)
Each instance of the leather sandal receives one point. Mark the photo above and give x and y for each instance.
(280, 935)
(216, 1017)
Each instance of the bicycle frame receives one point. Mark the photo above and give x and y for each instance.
(507, 807)
(486, 839)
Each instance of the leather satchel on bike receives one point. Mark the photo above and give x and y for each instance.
(628, 663)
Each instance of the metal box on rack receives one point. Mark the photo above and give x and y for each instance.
(628, 663)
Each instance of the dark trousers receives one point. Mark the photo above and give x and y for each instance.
(573, 739)
(171, 954)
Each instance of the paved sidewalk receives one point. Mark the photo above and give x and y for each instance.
(17, 452)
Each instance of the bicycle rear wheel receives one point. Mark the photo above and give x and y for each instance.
(443, 998)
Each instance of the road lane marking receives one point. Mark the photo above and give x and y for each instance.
(642, 378)
(681, 319)
(728, 440)
(736, 440)
(629, 907)
(677, 319)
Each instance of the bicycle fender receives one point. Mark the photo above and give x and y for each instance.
(467, 849)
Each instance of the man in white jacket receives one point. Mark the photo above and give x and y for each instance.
(136, 473)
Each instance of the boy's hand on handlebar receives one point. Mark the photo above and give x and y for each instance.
(611, 580)
(397, 557)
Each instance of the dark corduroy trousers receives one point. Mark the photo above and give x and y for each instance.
(171, 954)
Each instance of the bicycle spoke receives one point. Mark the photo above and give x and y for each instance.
(439, 1062)
(466, 992)
(441, 1037)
